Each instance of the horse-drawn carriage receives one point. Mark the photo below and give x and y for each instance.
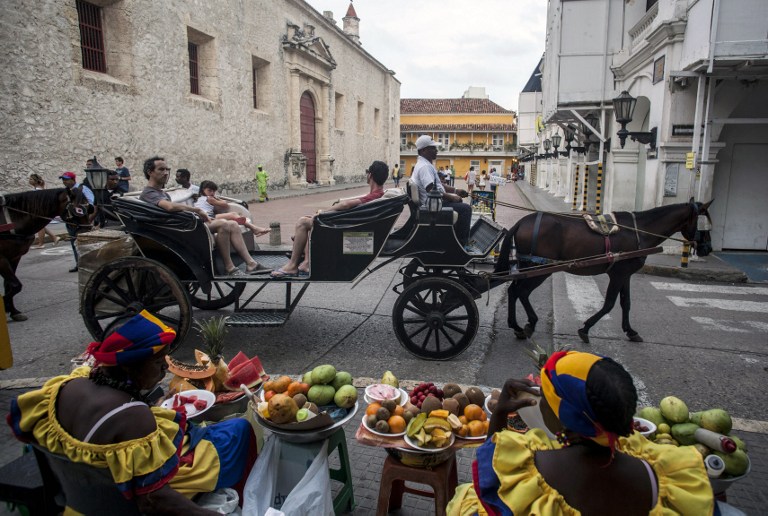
(434, 317)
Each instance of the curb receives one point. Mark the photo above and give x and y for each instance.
(718, 276)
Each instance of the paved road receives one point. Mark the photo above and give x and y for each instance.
(703, 342)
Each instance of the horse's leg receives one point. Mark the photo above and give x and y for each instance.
(511, 309)
(626, 303)
(614, 286)
(531, 284)
(12, 287)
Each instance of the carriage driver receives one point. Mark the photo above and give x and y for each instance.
(425, 178)
(227, 232)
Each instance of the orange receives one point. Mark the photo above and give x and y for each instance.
(396, 424)
(485, 416)
(476, 428)
(463, 420)
(473, 412)
(295, 388)
(372, 408)
(463, 431)
(399, 410)
(486, 424)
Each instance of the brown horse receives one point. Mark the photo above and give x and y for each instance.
(563, 237)
(25, 214)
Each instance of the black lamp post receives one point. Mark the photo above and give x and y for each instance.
(97, 175)
(547, 146)
(556, 141)
(623, 109)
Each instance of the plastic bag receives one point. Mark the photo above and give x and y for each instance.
(223, 501)
(310, 497)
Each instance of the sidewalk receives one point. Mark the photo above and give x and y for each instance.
(708, 268)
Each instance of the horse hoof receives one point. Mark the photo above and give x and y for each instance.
(635, 338)
(584, 336)
(520, 335)
(19, 317)
(528, 330)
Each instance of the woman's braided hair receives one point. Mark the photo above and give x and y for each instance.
(612, 395)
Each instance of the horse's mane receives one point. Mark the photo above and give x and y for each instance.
(653, 213)
(34, 201)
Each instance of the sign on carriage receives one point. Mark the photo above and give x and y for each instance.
(358, 242)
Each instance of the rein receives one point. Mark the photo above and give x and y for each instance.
(574, 216)
(49, 219)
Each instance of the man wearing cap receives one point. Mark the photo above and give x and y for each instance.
(425, 178)
(261, 183)
(69, 179)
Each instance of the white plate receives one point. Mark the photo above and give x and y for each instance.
(649, 424)
(366, 392)
(190, 408)
(413, 444)
(402, 400)
(476, 438)
(379, 433)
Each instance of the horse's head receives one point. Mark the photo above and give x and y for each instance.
(76, 209)
(701, 239)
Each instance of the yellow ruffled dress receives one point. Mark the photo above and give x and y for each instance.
(137, 466)
(683, 484)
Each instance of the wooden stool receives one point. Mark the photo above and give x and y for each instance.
(443, 479)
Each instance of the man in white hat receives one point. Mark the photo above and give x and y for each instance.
(425, 178)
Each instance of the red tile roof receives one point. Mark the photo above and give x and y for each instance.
(447, 128)
(351, 11)
(412, 106)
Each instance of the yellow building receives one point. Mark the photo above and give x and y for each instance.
(472, 132)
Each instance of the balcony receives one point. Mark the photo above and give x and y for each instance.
(468, 149)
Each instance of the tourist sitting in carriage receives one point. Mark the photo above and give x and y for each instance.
(101, 417)
(598, 465)
(227, 232)
(298, 267)
(216, 208)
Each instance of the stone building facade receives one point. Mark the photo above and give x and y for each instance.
(215, 87)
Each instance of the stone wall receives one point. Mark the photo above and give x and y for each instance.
(55, 114)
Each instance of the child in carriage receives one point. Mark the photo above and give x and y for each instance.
(216, 208)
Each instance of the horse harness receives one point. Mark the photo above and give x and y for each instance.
(6, 224)
(604, 225)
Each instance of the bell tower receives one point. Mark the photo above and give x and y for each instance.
(352, 24)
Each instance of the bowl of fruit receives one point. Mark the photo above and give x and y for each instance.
(645, 427)
(379, 392)
(388, 418)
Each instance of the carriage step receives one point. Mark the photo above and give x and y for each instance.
(255, 318)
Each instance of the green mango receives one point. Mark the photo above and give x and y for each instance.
(740, 444)
(321, 394)
(717, 420)
(323, 374)
(674, 410)
(652, 414)
(695, 418)
(341, 378)
(683, 433)
(736, 463)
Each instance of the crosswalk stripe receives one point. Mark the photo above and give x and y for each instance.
(584, 295)
(710, 289)
(719, 324)
(722, 304)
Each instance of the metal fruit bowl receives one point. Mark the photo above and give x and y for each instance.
(719, 485)
(307, 436)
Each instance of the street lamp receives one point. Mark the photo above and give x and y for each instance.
(556, 141)
(623, 109)
(97, 175)
(547, 146)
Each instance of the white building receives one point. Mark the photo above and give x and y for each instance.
(698, 70)
(214, 87)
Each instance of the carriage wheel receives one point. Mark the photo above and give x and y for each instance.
(222, 294)
(126, 286)
(435, 318)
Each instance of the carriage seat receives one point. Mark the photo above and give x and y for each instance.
(383, 207)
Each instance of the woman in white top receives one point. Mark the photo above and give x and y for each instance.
(211, 204)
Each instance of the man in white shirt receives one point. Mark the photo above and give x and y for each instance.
(425, 178)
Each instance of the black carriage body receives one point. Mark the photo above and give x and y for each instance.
(178, 240)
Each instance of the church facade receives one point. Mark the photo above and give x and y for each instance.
(217, 88)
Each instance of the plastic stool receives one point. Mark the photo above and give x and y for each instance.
(345, 500)
(443, 479)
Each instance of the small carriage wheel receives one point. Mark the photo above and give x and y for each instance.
(222, 294)
(126, 286)
(435, 318)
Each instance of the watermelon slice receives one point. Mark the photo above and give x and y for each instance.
(239, 359)
(246, 374)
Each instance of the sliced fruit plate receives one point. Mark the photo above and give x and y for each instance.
(192, 403)
(402, 400)
(382, 391)
(414, 444)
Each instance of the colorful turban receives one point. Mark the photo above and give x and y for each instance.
(135, 341)
(564, 385)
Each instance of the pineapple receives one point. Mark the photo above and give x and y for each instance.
(540, 355)
(213, 332)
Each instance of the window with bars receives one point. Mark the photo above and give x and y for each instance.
(255, 88)
(91, 37)
(498, 142)
(194, 71)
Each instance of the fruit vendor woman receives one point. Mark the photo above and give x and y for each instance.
(598, 465)
(101, 417)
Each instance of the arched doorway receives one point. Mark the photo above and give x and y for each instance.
(308, 135)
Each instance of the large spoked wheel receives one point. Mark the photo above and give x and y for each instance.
(222, 294)
(126, 286)
(435, 318)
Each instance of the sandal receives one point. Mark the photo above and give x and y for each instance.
(281, 274)
(234, 273)
(37, 246)
(259, 269)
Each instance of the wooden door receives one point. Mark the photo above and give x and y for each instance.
(308, 135)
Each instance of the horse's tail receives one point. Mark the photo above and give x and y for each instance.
(502, 264)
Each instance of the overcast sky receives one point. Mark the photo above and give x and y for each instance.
(438, 48)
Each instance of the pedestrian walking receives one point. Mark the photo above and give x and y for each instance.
(261, 183)
(396, 175)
